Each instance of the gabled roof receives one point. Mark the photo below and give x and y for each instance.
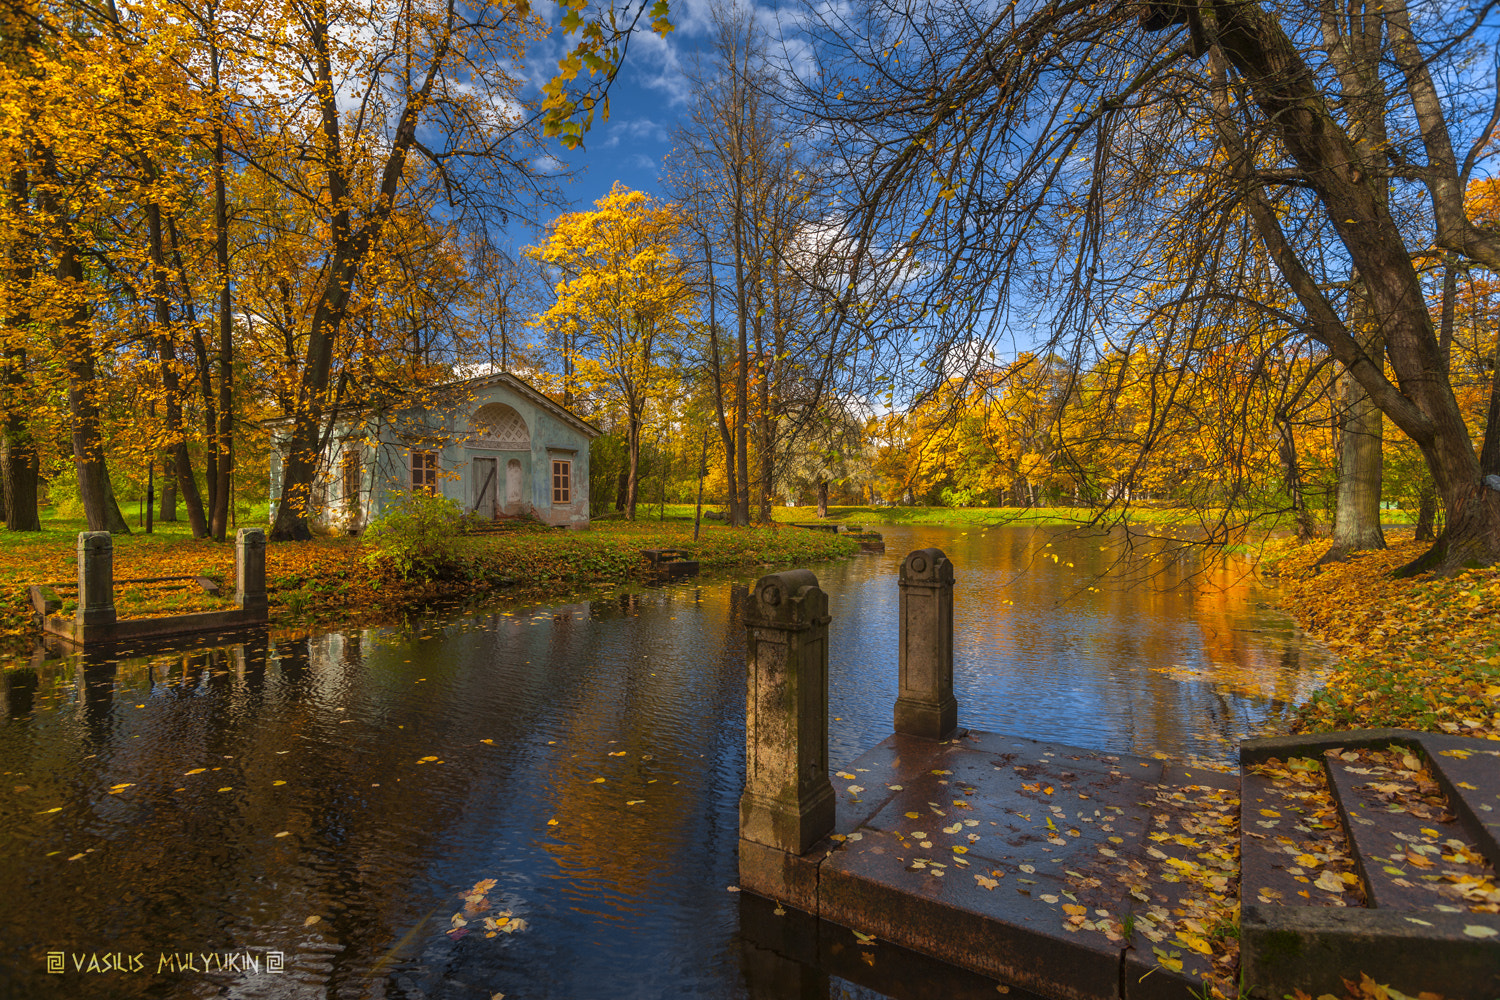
(506, 379)
(539, 399)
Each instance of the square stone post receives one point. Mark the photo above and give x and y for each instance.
(925, 705)
(96, 578)
(788, 802)
(250, 569)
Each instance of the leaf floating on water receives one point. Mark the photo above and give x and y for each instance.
(275, 783)
(731, 888)
(597, 781)
(77, 856)
(311, 920)
(48, 812)
(1480, 931)
(634, 802)
(200, 770)
(284, 833)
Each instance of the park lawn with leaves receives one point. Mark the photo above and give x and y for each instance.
(328, 578)
(959, 516)
(1419, 653)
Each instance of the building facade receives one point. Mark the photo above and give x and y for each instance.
(495, 445)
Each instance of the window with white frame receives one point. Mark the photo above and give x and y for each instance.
(562, 481)
(424, 471)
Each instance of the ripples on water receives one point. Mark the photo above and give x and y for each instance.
(587, 757)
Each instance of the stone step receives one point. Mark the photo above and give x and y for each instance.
(1412, 851)
(1411, 809)
(1289, 834)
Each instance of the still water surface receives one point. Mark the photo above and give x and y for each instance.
(587, 757)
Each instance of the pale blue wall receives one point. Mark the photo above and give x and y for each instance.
(385, 459)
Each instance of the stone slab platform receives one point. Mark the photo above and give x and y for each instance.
(1047, 825)
(891, 868)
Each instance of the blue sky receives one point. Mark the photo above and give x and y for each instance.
(649, 95)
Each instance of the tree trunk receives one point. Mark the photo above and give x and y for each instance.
(222, 441)
(78, 351)
(726, 437)
(1356, 525)
(621, 488)
(1286, 446)
(767, 428)
(1286, 91)
(822, 498)
(166, 350)
(18, 469)
(633, 443)
(1426, 511)
(168, 510)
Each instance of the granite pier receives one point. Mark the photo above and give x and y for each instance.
(1081, 874)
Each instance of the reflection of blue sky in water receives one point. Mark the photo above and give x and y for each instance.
(645, 692)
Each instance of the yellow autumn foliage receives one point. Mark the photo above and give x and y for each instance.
(1419, 653)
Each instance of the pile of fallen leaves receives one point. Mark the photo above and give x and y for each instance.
(1366, 989)
(1417, 653)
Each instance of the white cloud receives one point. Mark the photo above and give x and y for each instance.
(628, 131)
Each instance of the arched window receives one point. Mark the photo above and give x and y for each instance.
(497, 426)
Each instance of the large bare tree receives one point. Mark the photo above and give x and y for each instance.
(1099, 164)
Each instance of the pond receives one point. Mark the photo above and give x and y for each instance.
(170, 824)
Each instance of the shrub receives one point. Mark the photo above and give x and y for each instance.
(417, 538)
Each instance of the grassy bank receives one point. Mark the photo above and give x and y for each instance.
(1417, 654)
(965, 516)
(329, 578)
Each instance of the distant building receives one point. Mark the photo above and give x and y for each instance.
(494, 444)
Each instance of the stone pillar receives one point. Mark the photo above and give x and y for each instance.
(788, 802)
(96, 578)
(250, 569)
(926, 706)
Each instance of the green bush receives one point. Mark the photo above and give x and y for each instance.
(419, 537)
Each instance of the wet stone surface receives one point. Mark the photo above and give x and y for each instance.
(1055, 859)
(1413, 850)
(1294, 851)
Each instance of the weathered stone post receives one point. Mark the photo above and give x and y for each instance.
(250, 569)
(925, 705)
(788, 802)
(96, 578)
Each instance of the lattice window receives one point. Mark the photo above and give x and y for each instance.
(562, 481)
(424, 470)
(500, 427)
